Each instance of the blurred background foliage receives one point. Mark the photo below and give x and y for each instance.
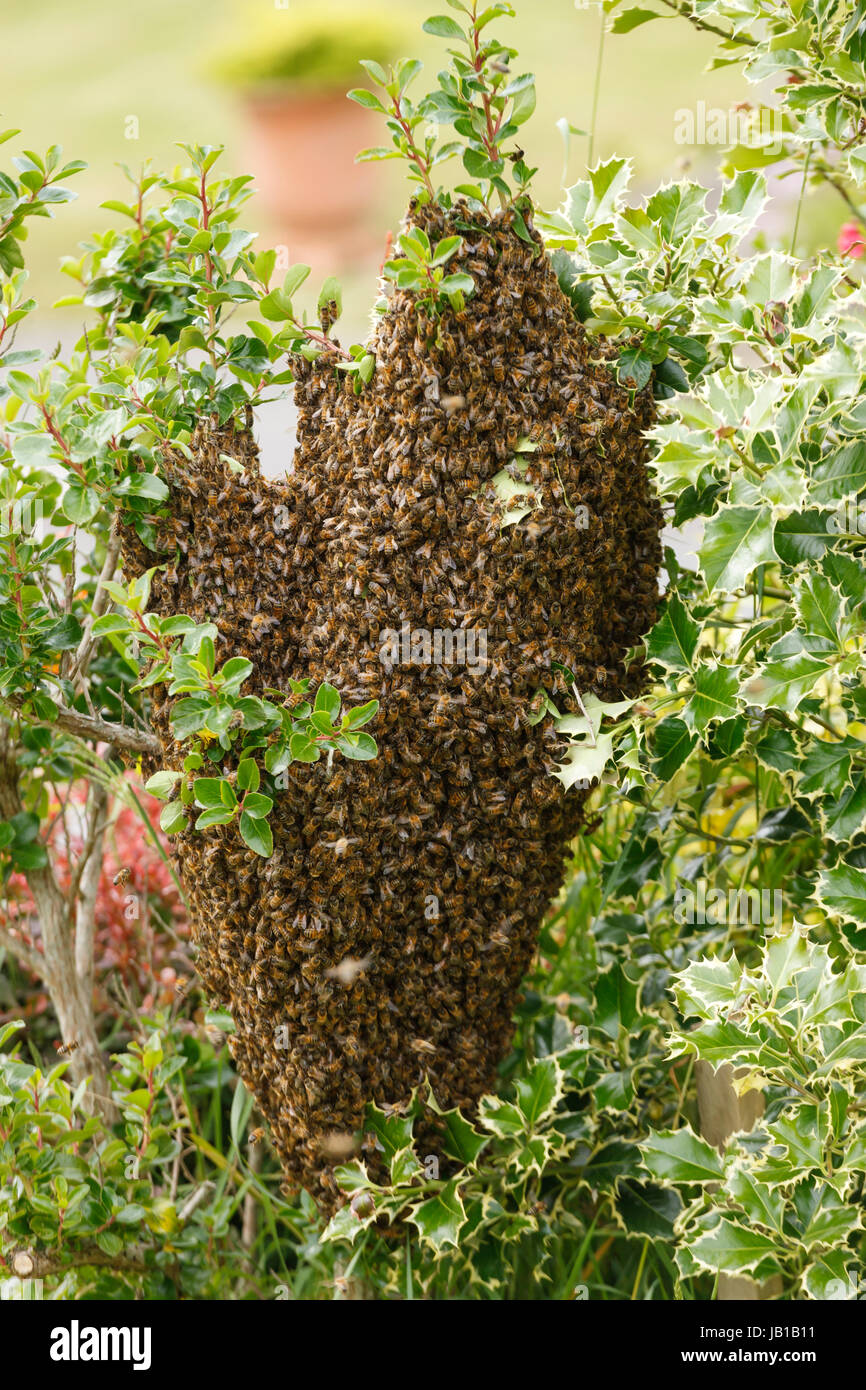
(155, 63)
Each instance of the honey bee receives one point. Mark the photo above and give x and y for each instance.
(122, 877)
(349, 969)
(256, 1135)
(64, 1049)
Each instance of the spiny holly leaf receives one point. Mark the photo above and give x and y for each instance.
(784, 957)
(762, 1205)
(672, 744)
(681, 1156)
(841, 475)
(826, 768)
(647, 1210)
(736, 541)
(843, 892)
(721, 1041)
(784, 684)
(441, 1218)
(832, 1276)
(616, 1002)
(732, 1248)
(460, 1139)
(715, 696)
(706, 985)
(674, 638)
(539, 1092)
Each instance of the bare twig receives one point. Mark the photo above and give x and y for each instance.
(84, 887)
(101, 600)
(92, 727)
(24, 954)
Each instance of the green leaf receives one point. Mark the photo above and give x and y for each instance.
(681, 1156)
(538, 1093)
(365, 98)
(142, 485)
(672, 745)
(234, 673)
(327, 700)
(257, 835)
(715, 696)
(214, 816)
(303, 749)
(110, 623)
(783, 684)
(80, 504)
(826, 769)
(630, 19)
(843, 892)
(803, 536)
(441, 1218)
(707, 985)
(634, 369)
(841, 475)
(362, 714)
(674, 638)
(460, 1139)
(647, 1210)
(358, 747)
(763, 1205)
(732, 1248)
(208, 792)
(443, 26)
(677, 207)
(615, 1002)
(161, 784)
(172, 818)
(736, 541)
(256, 805)
(248, 777)
(189, 717)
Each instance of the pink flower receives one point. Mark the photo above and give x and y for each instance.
(851, 241)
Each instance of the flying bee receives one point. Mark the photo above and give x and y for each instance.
(122, 877)
(64, 1049)
(257, 1135)
(348, 970)
(337, 1145)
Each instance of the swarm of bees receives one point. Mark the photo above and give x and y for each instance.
(342, 988)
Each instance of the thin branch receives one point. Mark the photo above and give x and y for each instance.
(728, 35)
(86, 877)
(101, 600)
(844, 195)
(36, 1264)
(89, 726)
(24, 954)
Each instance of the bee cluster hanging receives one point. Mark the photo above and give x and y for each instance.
(384, 941)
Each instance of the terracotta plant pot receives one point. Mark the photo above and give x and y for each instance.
(301, 148)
